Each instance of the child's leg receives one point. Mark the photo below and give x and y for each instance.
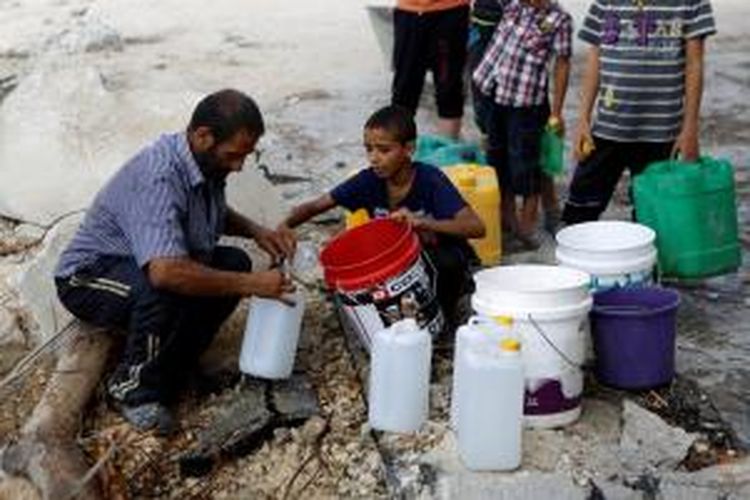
(497, 157)
(447, 62)
(410, 58)
(453, 278)
(594, 181)
(550, 204)
(524, 131)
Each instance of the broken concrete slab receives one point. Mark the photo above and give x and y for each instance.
(294, 400)
(648, 441)
(248, 417)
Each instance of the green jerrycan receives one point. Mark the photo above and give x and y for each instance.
(551, 151)
(691, 206)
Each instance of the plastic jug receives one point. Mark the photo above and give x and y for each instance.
(491, 407)
(479, 332)
(400, 377)
(692, 208)
(551, 149)
(271, 335)
(479, 187)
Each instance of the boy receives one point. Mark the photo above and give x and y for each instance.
(645, 70)
(514, 71)
(413, 192)
(485, 16)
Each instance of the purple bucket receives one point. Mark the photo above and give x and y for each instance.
(633, 331)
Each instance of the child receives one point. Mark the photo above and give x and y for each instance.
(645, 70)
(514, 71)
(412, 192)
(431, 35)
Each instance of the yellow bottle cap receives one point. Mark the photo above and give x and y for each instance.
(510, 345)
(504, 320)
(553, 121)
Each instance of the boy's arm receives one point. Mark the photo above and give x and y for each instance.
(589, 89)
(465, 223)
(687, 142)
(561, 74)
(306, 211)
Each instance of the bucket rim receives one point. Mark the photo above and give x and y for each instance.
(594, 267)
(614, 311)
(579, 279)
(564, 238)
(396, 246)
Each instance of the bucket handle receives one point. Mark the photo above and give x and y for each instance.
(553, 346)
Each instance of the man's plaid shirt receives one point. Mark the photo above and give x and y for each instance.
(515, 65)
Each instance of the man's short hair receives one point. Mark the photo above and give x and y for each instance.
(227, 112)
(395, 119)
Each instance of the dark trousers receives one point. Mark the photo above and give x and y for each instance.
(479, 37)
(596, 177)
(434, 41)
(454, 277)
(166, 332)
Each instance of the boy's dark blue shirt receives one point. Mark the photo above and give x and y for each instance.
(431, 194)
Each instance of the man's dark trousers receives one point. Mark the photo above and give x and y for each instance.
(166, 332)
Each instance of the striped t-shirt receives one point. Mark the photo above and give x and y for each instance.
(158, 205)
(642, 64)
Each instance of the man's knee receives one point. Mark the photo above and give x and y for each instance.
(231, 259)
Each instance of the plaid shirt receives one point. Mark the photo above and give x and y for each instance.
(514, 66)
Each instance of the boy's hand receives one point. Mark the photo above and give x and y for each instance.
(686, 145)
(583, 142)
(557, 123)
(408, 217)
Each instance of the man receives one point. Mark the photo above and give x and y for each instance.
(644, 74)
(146, 257)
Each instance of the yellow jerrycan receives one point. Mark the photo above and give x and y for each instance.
(479, 187)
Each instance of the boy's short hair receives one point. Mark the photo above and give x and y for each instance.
(395, 119)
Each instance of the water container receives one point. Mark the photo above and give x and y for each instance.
(692, 208)
(400, 378)
(478, 185)
(478, 332)
(271, 335)
(548, 305)
(552, 148)
(615, 253)
(491, 407)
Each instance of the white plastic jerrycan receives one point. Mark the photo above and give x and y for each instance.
(490, 403)
(271, 335)
(400, 377)
(479, 332)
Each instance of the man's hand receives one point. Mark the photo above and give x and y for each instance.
(686, 144)
(275, 244)
(287, 238)
(272, 284)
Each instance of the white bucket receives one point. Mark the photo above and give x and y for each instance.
(548, 305)
(615, 253)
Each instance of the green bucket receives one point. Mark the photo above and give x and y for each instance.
(691, 206)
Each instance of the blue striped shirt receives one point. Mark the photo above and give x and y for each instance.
(642, 64)
(158, 204)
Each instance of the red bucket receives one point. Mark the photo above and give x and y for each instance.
(366, 255)
(375, 270)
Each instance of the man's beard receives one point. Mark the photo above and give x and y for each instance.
(209, 165)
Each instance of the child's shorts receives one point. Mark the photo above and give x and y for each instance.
(513, 146)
